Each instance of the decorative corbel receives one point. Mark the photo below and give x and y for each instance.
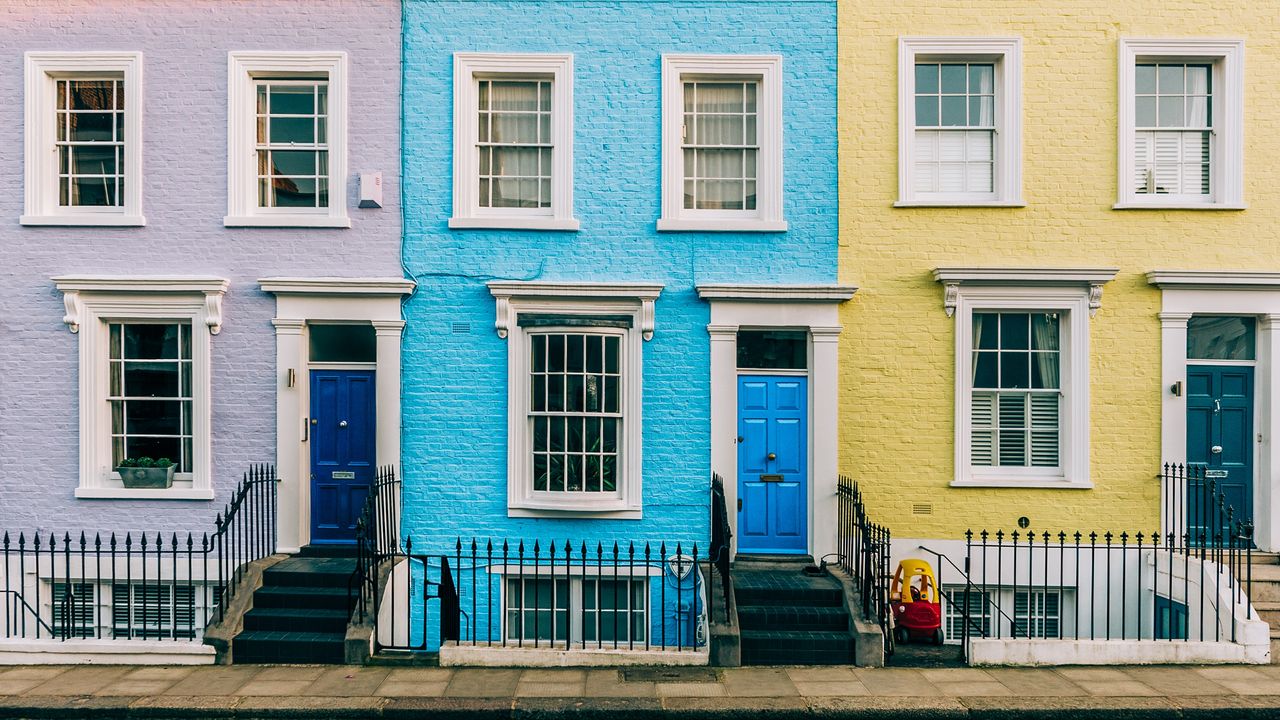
(1095, 298)
(71, 302)
(950, 297)
(646, 318)
(213, 312)
(503, 322)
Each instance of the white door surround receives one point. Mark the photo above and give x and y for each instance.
(300, 301)
(812, 308)
(1191, 292)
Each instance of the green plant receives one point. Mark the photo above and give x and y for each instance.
(145, 462)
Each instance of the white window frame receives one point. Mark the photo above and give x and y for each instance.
(1077, 295)
(635, 300)
(467, 213)
(574, 608)
(1006, 54)
(91, 303)
(1226, 152)
(768, 214)
(43, 70)
(244, 69)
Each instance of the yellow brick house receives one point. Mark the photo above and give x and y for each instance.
(1062, 220)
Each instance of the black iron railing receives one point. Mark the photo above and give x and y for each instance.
(719, 554)
(377, 542)
(864, 550)
(135, 585)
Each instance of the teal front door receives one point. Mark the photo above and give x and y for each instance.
(1219, 439)
(773, 473)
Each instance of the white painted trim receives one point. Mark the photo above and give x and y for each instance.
(42, 70)
(459, 655)
(1006, 53)
(637, 300)
(300, 301)
(1075, 300)
(105, 652)
(243, 67)
(822, 321)
(768, 215)
(467, 212)
(1227, 152)
(1236, 294)
(776, 293)
(1053, 652)
(953, 278)
(92, 301)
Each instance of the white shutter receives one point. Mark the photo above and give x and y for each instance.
(1143, 155)
(1012, 423)
(1045, 434)
(980, 153)
(1168, 151)
(982, 432)
(1195, 163)
(926, 161)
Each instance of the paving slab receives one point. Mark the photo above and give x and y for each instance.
(609, 683)
(184, 706)
(1230, 672)
(678, 689)
(1252, 687)
(820, 674)
(483, 682)
(1026, 682)
(33, 672)
(349, 681)
(292, 672)
(900, 682)
(758, 682)
(425, 674)
(83, 680)
(160, 672)
(17, 687)
(136, 687)
(423, 688)
(1123, 688)
(218, 680)
(278, 688)
(552, 689)
(971, 688)
(557, 675)
(1093, 674)
(840, 688)
(956, 675)
(1180, 681)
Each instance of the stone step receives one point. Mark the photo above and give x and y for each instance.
(792, 617)
(812, 647)
(310, 572)
(275, 646)
(297, 620)
(320, 598)
(328, 550)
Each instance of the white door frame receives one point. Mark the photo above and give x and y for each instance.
(813, 308)
(1186, 293)
(300, 301)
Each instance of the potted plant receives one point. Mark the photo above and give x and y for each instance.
(143, 472)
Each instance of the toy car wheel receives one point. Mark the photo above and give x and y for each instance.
(937, 636)
(903, 636)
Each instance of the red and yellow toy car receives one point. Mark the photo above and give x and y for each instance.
(917, 612)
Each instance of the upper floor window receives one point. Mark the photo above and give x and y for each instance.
(513, 142)
(722, 143)
(1181, 123)
(287, 139)
(959, 112)
(83, 144)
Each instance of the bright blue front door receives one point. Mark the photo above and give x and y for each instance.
(773, 449)
(1220, 439)
(342, 451)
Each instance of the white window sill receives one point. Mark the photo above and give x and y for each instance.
(1177, 206)
(87, 220)
(960, 203)
(514, 223)
(121, 493)
(1041, 483)
(720, 225)
(585, 513)
(286, 221)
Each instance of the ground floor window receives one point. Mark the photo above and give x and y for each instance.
(578, 610)
(123, 610)
(1003, 612)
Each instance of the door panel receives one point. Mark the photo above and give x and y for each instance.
(343, 443)
(773, 420)
(1220, 439)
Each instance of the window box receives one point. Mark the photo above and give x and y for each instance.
(147, 477)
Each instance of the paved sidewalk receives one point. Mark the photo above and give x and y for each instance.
(303, 691)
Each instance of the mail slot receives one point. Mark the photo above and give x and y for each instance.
(343, 475)
(770, 478)
(1215, 473)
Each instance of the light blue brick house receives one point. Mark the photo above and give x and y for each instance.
(622, 221)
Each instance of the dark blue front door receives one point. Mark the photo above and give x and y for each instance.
(342, 451)
(773, 451)
(1220, 439)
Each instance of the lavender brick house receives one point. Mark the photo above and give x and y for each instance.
(168, 274)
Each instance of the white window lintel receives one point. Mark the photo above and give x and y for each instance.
(1091, 279)
(1006, 53)
(643, 295)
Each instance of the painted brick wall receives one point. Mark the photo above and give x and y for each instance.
(455, 384)
(184, 45)
(897, 355)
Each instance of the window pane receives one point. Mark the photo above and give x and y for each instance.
(1221, 338)
(720, 145)
(772, 349)
(927, 78)
(342, 343)
(514, 144)
(954, 79)
(1014, 331)
(1145, 78)
(927, 111)
(1170, 79)
(291, 115)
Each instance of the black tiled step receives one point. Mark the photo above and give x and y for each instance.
(273, 646)
(310, 572)
(320, 598)
(296, 620)
(796, 647)
(346, 550)
(811, 596)
(792, 617)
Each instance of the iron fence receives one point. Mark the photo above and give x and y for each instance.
(135, 585)
(719, 554)
(864, 552)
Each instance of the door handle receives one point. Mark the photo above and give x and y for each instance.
(1217, 405)
(771, 456)
(739, 504)
(342, 423)
(1216, 449)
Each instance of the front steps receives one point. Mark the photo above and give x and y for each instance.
(300, 613)
(788, 618)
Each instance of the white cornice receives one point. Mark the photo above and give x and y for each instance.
(1091, 279)
(97, 286)
(1214, 279)
(504, 291)
(777, 293)
(336, 286)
